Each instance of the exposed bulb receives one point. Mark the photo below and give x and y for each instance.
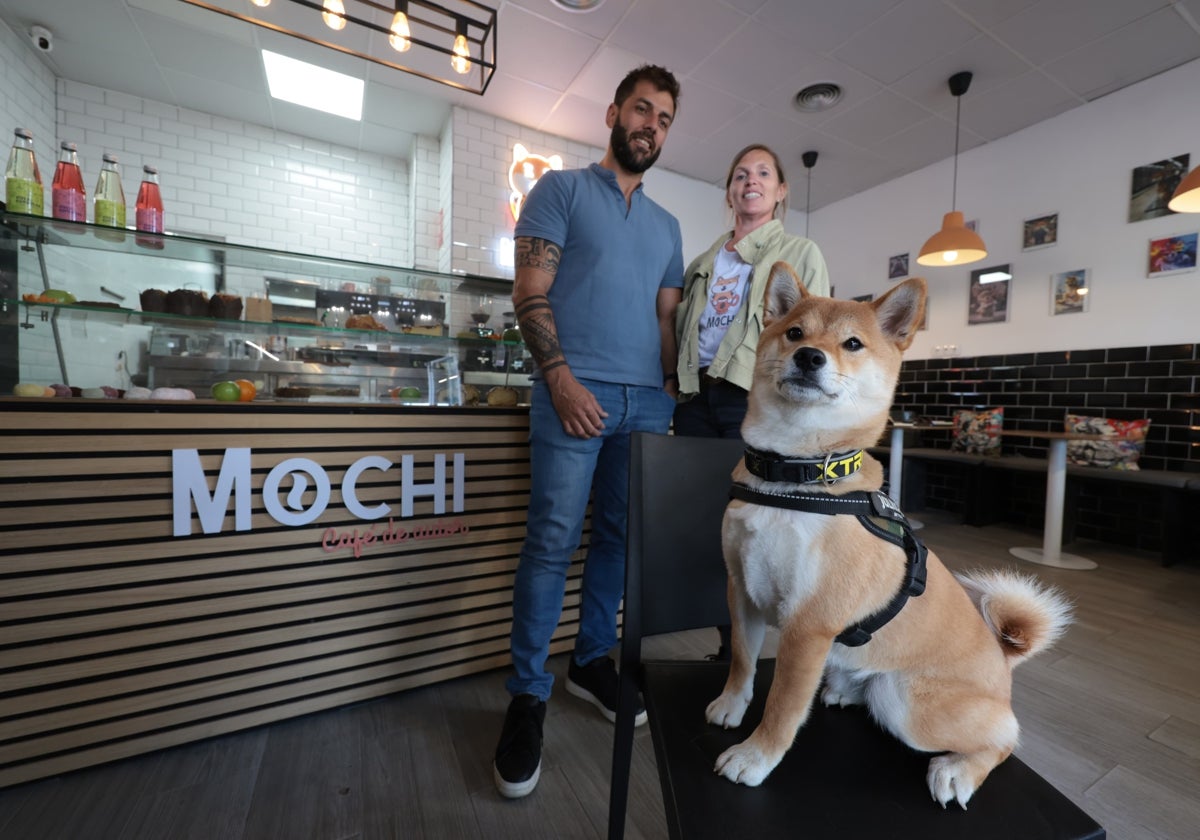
(950, 256)
(262, 4)
(399, 39)
(460, 61)
(334, 14)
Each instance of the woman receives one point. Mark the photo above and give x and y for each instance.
(720, 318)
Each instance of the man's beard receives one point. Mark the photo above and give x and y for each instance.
(630, 160)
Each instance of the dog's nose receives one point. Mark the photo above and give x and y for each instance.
(809, 359)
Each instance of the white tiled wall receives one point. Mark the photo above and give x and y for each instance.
(483, 147)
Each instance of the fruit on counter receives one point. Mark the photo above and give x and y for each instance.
(227, 391)
(246, 389)
(49, 296)
(172, 394)
(28, 389)
(502, 396)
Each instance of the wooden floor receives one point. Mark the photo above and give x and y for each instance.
(1111, 716)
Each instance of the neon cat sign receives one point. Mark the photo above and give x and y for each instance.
(525, 171)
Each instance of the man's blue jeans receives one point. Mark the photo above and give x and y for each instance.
(565, 470)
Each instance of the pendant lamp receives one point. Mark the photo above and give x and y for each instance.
(955, 243)
(1187, 195)
(810, 160)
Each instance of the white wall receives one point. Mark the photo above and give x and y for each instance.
(1079, 165)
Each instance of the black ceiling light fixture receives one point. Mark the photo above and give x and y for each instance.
(810, 160)
(452, 42)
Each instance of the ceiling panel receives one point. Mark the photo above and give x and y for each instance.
(740, 63)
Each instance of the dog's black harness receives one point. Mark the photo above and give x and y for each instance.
(876, 512)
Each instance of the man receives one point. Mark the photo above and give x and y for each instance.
(599, 275)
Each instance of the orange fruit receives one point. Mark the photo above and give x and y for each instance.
(247, 389)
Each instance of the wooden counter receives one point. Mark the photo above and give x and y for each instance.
(118, 637)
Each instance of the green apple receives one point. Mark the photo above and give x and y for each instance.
(227, 392)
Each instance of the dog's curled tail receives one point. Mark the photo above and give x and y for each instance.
(1025, 615)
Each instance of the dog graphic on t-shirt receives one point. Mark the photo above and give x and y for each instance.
(724, 294)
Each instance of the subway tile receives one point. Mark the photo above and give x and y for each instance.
(1069, 371)
(1019, 359)
(1053, 357)
(1147, 400)
(1185, 368)
(1035, 398)
(1188, 401)
(1126, 385)
(1038, 371)
(1052, 385)
(1106, 369)
(1173, 351)
(1127, 354)
(1083, 386)
(1159, 368)
(1095, 400)
(1086, 355)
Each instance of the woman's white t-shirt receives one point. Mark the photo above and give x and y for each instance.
(726, 293)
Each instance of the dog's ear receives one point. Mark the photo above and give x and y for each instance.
(784, 290)
(901, 310)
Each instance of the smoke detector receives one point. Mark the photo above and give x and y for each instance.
(820, 96)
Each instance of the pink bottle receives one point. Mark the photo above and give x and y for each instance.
(68, 196)
(149, 205)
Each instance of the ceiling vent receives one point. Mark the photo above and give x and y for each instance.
(818, 97)
(577, 5)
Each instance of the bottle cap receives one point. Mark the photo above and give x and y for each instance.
(70, 147)
(149, 170)
(23, 132)
(110, 158)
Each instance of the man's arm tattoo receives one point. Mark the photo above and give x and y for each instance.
(538, 253)
(536, 321)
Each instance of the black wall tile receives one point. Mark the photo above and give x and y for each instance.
(1086, 355)
(1127, 354)
(1173, 351)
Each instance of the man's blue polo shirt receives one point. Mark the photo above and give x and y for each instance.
(613, 263)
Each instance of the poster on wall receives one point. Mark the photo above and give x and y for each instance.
(897, 266)
(988, 295)
(1039, 232)
(1069, 292)
(1153, 185)
(1172, 255)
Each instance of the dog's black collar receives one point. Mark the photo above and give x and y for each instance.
(867, 507)
(771, 466)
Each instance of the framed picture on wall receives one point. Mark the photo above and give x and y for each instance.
(1153, 185)
(897, 266)
(1039, 232)
(1069, 292)
(1172, 255)
(863, 298)
(988, 295)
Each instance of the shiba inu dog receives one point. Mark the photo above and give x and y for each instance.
(938, 673)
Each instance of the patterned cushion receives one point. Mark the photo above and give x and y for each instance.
(1113, 454)
(978, 432)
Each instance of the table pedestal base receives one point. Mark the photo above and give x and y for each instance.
(1062, 561)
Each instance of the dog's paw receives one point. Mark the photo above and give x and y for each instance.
(727, 710)
(950, 779)
(839, 696)
(745, 764)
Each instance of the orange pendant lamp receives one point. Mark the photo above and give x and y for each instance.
(955, 243)
(1187, 195)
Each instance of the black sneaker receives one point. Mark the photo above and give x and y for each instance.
(518, 763)
(597, 682)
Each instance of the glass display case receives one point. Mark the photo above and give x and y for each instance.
(94, 307)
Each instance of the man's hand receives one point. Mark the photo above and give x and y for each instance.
(577, 407)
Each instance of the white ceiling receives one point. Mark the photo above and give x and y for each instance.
(740, 63)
